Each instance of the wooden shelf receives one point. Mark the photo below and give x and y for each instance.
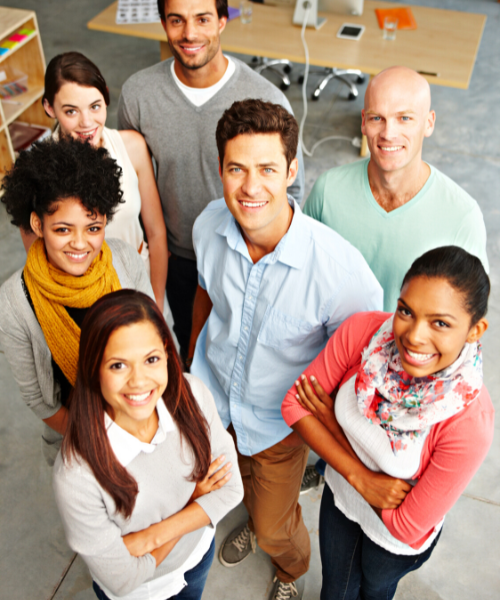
(27, 57)
(22, 102)
(5, 57)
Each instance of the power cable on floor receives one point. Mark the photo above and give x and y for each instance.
(354, 141)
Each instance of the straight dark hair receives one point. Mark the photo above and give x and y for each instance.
(462, 270)
(86, 435)
(220, 5)
(72, 67)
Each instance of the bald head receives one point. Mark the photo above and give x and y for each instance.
(396, 119)
(403, 83)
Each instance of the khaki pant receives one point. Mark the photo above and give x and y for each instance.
(272, 480)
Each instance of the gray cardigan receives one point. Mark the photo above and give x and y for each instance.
(26, 349)
(93, 527)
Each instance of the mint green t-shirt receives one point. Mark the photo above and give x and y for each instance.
(441, 214)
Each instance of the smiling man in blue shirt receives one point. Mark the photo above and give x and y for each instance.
(273, 287)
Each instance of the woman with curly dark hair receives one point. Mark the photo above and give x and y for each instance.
(65, 192)
(76, 95)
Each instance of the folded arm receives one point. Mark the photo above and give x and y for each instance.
(460, 446)
(314, 419)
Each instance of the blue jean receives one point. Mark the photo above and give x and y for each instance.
(195, 579)
(354, 567)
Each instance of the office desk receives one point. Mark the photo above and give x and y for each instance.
(443, 47)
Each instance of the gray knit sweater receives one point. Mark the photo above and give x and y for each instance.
(93, 527)
(181, 137)
(25, 347)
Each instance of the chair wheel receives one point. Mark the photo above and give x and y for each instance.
(351, 96)
(300, 79)
(360, 79)
(315, 97)
(255, 59)
(287, 68)
(284, 86)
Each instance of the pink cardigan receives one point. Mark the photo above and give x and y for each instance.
(452, 452)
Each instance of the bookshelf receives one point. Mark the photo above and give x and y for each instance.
(26, 56)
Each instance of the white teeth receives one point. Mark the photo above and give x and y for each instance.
(138, 397)
(420, 357)
(254, 204)
(391, 149)
(76, 256)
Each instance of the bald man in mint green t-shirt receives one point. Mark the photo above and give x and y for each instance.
(393, 206)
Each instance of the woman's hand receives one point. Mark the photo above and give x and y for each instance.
(313, 398)
(381, 490)
(140, 543)
(378, 489)
(216, 477)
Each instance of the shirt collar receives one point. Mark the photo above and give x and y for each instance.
(127, 447)
(291, 250)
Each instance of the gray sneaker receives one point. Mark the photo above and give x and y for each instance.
(311, 479)
(237, 546)
(286, 591)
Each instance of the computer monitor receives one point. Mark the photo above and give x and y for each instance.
(311, 8)
(341, 7)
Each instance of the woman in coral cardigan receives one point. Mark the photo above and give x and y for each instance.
(411, 404)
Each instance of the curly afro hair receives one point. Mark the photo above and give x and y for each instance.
(50, 171)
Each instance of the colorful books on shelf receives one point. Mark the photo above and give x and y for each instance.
(14, 40)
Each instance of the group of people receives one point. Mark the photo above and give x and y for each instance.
(177, 378)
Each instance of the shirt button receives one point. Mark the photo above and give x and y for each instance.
(241, 357)
(246, 328)
(235, 384)
(249, 297)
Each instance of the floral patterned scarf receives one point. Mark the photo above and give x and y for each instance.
(405, 406)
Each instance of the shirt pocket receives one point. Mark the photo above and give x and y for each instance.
(279, 330)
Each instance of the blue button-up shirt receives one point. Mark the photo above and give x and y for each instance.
(270, 319)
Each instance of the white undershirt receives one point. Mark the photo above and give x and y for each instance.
(199, 96)
(126, 447)
(371, 444)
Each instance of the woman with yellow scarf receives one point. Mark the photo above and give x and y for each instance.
(65, 192)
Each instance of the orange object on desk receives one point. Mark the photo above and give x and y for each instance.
(405, 17)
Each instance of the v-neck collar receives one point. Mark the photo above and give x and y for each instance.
(401, 209)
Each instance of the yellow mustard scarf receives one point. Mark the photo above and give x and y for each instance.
(51, 290)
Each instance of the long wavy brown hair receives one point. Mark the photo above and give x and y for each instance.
(86, 435)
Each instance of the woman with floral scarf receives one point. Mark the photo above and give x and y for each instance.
(410, 424)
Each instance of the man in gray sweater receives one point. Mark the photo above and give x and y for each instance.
(176, 105)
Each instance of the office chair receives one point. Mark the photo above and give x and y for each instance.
(260, 63)
(333, 73)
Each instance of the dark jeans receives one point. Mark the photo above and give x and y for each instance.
(195, 579)
(182, 282)
(354, 567)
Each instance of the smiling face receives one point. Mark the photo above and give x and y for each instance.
(133, 374)
(80, 110)
(255, 180)
(431, 326)
(396, 118)
(72, 235)
(193, 30)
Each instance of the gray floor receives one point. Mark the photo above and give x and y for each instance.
(35, 560)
